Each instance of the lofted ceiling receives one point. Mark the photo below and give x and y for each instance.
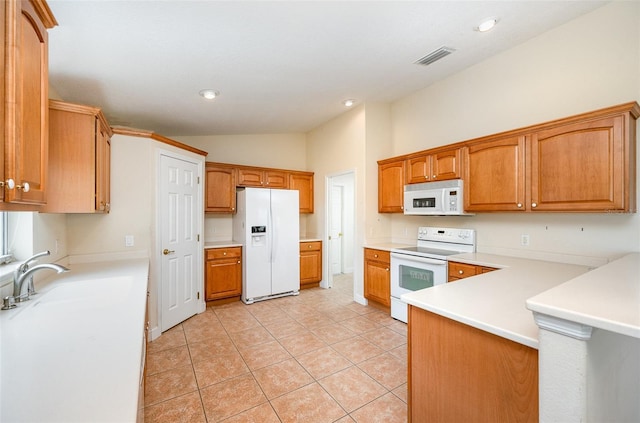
(279, 66)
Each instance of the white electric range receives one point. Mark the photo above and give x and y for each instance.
(425, 265)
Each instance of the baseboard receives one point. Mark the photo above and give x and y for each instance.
(360, 299)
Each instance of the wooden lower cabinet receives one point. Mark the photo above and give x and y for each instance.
(458, 373)
(223, 273)
(310, 264)
(377, 278)
(463, 270)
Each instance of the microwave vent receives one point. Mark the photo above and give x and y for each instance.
(434, 56)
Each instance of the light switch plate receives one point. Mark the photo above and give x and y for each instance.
(128, 240)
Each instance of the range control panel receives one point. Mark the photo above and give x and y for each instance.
(455, 235)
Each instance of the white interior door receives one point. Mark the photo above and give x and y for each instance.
(178, 214)
(336, 229)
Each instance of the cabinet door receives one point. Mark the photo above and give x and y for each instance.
(250, 177)
(276, 179)
(495, 175)
(27, 97)
(579, 167)
(303, 182)
(103, 169)
(377, 279)
(3, 78)
(310, 262)
(391, 187)
(223, 277)
(446, 165)
(418, 169)
(220, 189)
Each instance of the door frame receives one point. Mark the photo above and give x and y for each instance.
(327, 281)
(156, 261)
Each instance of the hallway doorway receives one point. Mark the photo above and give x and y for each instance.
(340, 234)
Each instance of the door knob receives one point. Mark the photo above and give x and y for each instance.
(167, 252)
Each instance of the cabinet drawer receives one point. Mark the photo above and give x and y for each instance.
(461, 270)
(310, 246)
(217, 253)
(379, 255)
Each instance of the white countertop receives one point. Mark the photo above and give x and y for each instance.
(73, 352)
(606, 298)
(495, 301)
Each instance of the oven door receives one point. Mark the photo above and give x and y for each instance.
(412, 273)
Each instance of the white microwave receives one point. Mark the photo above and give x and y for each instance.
(443, 198)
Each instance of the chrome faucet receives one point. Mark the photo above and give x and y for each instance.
(24, 273)
(22, 269)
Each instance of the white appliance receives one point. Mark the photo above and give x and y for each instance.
(268, 227)
(435, 198)
(425, 265)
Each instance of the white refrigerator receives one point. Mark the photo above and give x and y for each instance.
(267, 224)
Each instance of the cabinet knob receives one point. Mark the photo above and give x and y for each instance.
(238, 261)
(24, 187)
(224, 253)
(519, 205)
(534, 205)
(387, 269)
(375, 255)
(9, 183)
(461, 272)
(309, 246)
(434, 176)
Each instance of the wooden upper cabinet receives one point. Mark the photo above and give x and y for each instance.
(220, 188)
(25, 100)
(79, 159)
(391, 186)
(434, 167)
(582, 167)
(495, 175)
(263, 178)
(303, 182)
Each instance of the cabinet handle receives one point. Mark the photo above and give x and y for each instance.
(387, 269)
(9, 183)
(238, 261)
(224, 253)
(434, 176)
(461, 272)
(534, 205)
(519, 205)
(24, 187)
(375, 256)
(309, 246)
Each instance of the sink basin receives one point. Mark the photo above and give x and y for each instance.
(72, 298)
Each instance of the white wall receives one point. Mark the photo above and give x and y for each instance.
(589, 63)
(283, 151)
(333, 148)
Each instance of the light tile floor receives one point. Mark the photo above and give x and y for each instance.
(317, 357)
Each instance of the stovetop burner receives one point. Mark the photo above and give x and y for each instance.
(439, 243)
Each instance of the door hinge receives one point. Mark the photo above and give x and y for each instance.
(198, 294)
(198, 237)
(198, 180)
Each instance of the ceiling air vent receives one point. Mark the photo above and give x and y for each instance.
(434, 56)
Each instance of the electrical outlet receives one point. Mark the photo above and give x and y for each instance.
(524, 240)
(128, 240)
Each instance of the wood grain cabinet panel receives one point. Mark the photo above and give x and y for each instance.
(377, 278)
(223, 273)
(262, 178)
(25, 94)
(303, 182)
(458, 373)
(79, 159)
(310, 264)
(581, 167)
(495, 175)
(459, 270)
(438, 166)
(391, 186)
(220, 189)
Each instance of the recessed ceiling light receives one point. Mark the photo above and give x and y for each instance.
(487, 24)
(349, 102)
(209, 94)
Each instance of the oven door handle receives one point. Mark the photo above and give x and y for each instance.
(417, 259)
